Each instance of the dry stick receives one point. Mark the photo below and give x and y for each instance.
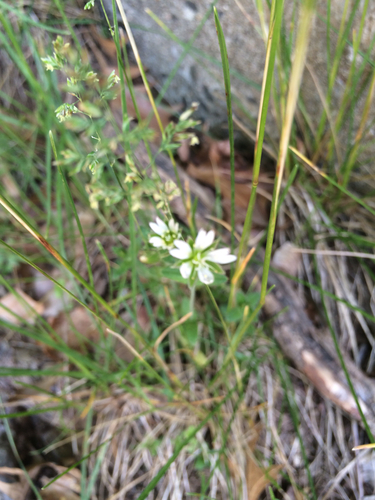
(305, 21)
(170, 328)
(172, 376)
(338, 253)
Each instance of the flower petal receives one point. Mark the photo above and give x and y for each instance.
(183, 250)
(157, 242)
(205, 275)
(159, 227)
(204, 239)
(159, 222)
(173, 226)
(186, 269)
(220, 256)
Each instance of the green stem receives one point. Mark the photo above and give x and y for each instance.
(228, 93)
(192, 297)
(306, 16)
(273, 38)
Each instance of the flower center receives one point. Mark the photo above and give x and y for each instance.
(198, 258)
(169, 237)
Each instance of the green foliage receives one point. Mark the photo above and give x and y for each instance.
(90, 4)
(97, 150)
(8, 262)
(176, 133)
(60, 55)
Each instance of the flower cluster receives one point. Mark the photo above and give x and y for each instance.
(199, 258)
(166, 235)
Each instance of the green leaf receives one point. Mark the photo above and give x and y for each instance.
(233, 315)
(190, 332)
(174, 275)
(220, 279)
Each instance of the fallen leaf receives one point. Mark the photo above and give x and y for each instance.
(15, 491)
(184, 151)
(75, 327)
(143, 318)
(22, 308)
(258, 478)
(210, 176)
(66, 487)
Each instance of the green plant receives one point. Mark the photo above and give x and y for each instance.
(195, 349)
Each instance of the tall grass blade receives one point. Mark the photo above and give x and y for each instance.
(272, 44)
(305, 20)
(228, 94)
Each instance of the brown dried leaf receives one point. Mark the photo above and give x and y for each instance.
(15, 491)
(24, 308)
(143, 318)
(79, 320)
(184, 151)
(208, 175)
(12, 490)
(66, 487)
(257, 478)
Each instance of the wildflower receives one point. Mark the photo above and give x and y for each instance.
(199, 257)
(167, 234)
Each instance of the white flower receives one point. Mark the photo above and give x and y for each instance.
(200, 258)
(166, 234)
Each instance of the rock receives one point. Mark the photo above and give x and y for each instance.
(200, 78)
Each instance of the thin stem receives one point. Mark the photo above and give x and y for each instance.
(305, 21)
(273, 38)
(226, 74)
(192, 298)
(227, 334)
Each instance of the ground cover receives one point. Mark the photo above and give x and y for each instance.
(180, 317)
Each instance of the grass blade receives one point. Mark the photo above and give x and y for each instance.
(228, 94)
(273, 40)
(305, 22)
